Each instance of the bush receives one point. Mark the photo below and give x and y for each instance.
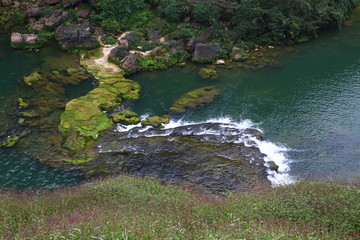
(171, 11)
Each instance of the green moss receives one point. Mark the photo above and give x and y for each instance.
(79, 161)
(126, 117)
(72, 70)
(195, 99)
(207, 73)
(10, 141)
(27, 114)
(21, 121)
(55, 72)
(33, 77)
(22, 104)
(155, 121)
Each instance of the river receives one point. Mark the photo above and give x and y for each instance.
(308, 107)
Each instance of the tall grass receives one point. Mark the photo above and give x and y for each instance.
(132, 208)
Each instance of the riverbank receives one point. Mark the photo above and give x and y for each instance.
(131, 208)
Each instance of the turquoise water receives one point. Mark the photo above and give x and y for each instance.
(18, 169)
(310, 104)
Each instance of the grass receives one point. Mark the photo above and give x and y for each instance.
(132, 208)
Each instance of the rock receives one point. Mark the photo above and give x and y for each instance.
(76, 36)
(70, 3)
(33, 77)
(125, 117)
(220, 62)
(153, 35)
(201, 39)
(207, 73)
(37, 26)
(16, 38)
(194, 99)
(56, 19)
(207, 156)
(52, 2)
(273, 166)
(19, 40)
(83, 13)
(31, 38)
(6, 3)
(205, 52)
(118, 53)
(33, 11)
(155, 121)
(130, 64)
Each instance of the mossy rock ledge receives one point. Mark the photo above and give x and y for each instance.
(207, 73)
(194, 99)
(85, 115)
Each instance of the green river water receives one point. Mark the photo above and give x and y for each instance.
(310, 105)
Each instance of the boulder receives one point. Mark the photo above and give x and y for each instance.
(6, 3)
(130, 64)
(83, 13)
(153, 35)
(70, 3)
(19, 40)
(52, 2)
(76, 36)
(207, 73)
(201, 39)
(33, 11)
(37, 26)
(118, 53)
(56, 19)
(205, 52)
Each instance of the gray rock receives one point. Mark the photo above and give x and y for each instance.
(16, 38)
(52, 2)
(57, 18)
(31, 38)
(205, 52)
(76, 36)
(201, 39)
(70, 3)
(6, 3)
(37, 26)
(118, 53)
(33, 11)
(83, 13)
(24, 40)
(130, 63)
(153, 34)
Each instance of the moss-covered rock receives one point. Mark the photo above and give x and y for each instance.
(10, 141)
(207, 73)
(125, 117)
(33, 77)
(22, 103)
(195, 99)
(85, 116)
(155, 121)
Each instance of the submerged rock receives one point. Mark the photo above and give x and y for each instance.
(155, 121)
(194, 99)
(207, 73)
(208, 156)
(125, 117)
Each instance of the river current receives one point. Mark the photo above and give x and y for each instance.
(308, 107)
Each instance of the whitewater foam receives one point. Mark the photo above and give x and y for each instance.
(275, 152)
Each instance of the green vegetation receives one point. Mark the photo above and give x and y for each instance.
(240, 23)
(126, 117)
(155, 121)
(131, 208)
(194, 99)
